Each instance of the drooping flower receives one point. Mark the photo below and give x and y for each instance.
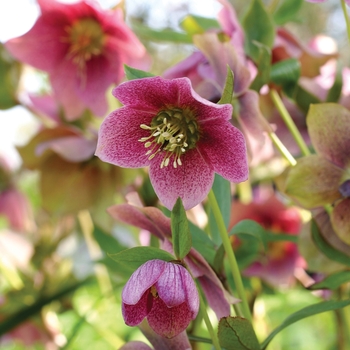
(154, 221)
(324, 178)
(183, 138)
(165, 293)
(83, 49)
(278, 262)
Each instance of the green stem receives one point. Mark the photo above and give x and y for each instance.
(230, 255)
(346, 17)
(206, 319)
(289, 122)
(283, 150)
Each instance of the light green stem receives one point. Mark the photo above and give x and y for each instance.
(346, 17)
(289, 122)
(230, 255)
(283, 150)
(206, 319)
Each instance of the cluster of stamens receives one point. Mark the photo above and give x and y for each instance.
(173, 131)
(86, 39)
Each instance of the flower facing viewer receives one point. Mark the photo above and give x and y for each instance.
(184, 138)
(83, 49)
(163, 292)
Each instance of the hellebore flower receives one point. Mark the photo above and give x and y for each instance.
(163, 292)
(83, 49)
(154, 221)
(278, 263)
(324, 178)
(184, 138)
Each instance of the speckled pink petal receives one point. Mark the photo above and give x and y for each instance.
(329, 130)
(119, 135)
(224, 147)
(141, 280)
(191, 181)
(176, 286)
(169, 322)
(134, 314)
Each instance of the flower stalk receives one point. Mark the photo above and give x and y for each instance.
(230, 255)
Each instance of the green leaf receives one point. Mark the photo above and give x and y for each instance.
(135, 257)
(286, 72)
(133, 73)
(202, 243)
(287, 11)
(222, 191)
(161, 35)
(258, 26)
(182, 241)
(303, 313)
(325, 248)
(333, 281)
(302, 97)
(236, 333)
(228, 89)
(264, 67)
(193, 24)
(22, 315)
(251, 228)
(107, 242)
(334, 92)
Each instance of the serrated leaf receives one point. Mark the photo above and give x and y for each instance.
(333, 281)
(135, 257)
(133, 73)
(236, 333)
(228, 89)
(303, 313)
(258, 26)
(325, 248)
(287, 11)
(182, 241)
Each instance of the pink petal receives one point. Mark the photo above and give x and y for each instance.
(224, 148)
(135, 345)
(169, 322)
(141, 280)
(191, 181)
(119, 136)
(149, 218)
(134, 314)
(176, 286)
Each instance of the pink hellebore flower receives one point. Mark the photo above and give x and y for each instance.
(163, 292)
(278, 263)
(184, 138)
(83, 49)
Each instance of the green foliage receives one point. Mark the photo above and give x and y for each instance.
(228, 89)
(264, 67)
(259, 27)
(333, 281)
(182, 241)
(193, 24)
(303, 313)
(287, 11)
(133, 258)
(133, 73)
(236, 333)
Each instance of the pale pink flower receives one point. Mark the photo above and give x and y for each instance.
(183, 138)
(163, 292)
(83, 49)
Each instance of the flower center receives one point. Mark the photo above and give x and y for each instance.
(174, 131)
(86, 39)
